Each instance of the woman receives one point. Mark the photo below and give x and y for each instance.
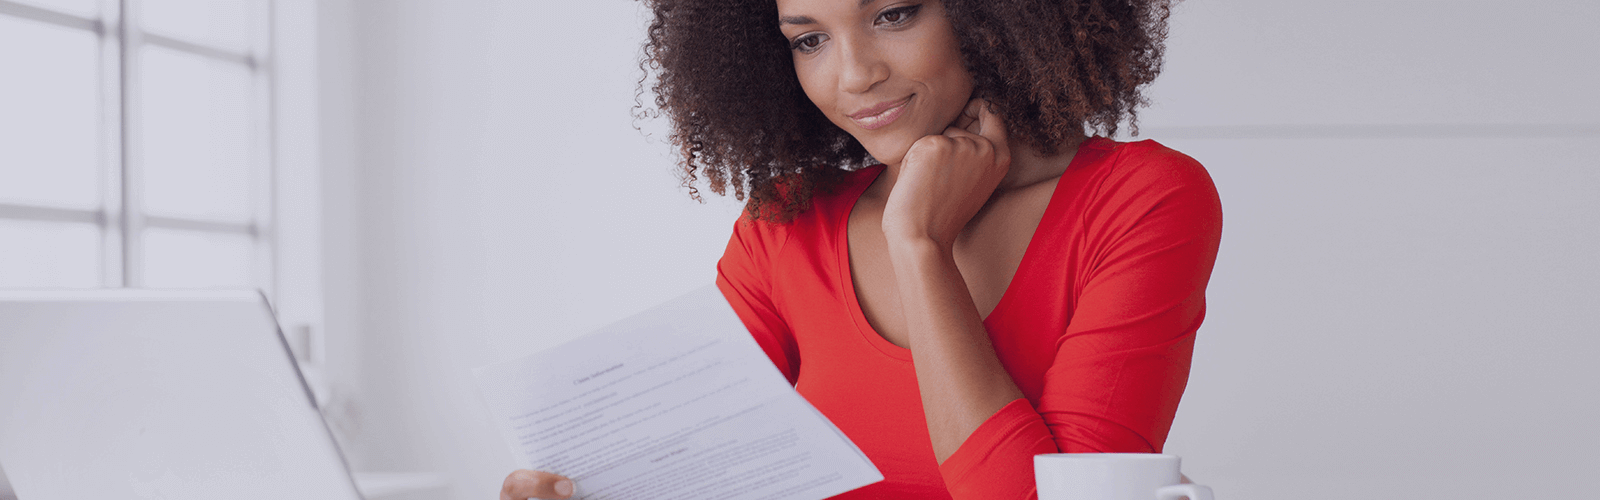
(990, 283)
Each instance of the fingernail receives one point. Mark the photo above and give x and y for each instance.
(564, 487)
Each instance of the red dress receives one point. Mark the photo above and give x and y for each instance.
(1097, 327)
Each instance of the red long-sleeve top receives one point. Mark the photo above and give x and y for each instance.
(1097, 327)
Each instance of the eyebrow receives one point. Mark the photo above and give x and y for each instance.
(808, 20)
(796, 20)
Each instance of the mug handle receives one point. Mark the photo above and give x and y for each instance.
(1176, 491)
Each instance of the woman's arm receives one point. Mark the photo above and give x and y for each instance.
(1121, 364)
(941, 184)
(743, 276)
(960, 379)
(1148, 238)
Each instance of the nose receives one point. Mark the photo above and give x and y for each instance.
(862, 66)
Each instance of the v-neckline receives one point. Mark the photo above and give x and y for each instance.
(848, 283)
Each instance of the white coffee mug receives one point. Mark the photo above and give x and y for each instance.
(1112, 476)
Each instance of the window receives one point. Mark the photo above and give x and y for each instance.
(134, 144)
(162, 144)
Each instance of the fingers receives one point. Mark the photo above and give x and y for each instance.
(525, 484)
(972, 112)
(966, 125)
(969, 115)
(993, 128)
(979, 118)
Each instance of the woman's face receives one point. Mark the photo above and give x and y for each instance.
(886, 71)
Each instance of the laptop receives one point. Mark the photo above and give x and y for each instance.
(157, 394)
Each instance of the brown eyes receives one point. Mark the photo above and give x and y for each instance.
(898, 15)
(892, 18)
(806, 44)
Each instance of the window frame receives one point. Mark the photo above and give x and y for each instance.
(284, 169)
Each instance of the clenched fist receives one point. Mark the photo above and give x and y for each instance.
(945, 179)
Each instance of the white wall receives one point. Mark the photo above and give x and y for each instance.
(1403, 305)
(489, 197)
(1405, 302)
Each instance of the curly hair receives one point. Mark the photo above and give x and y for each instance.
(724, 76)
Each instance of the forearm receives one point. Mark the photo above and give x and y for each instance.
(961, 381)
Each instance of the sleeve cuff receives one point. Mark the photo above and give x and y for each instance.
(996, 461)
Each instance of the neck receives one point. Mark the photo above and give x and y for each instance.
(1028, 165)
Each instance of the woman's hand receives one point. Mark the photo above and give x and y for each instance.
(945, 179)
(525, 484)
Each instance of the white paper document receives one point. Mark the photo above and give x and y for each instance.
(677, 402)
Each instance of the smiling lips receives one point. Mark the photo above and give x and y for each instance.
(880, 115)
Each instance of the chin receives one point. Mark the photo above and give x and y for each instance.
(888, 160)
(887, 154)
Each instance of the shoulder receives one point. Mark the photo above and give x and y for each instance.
(1145, 182)
(1153, 167)
(1145, 171)
(829, 208)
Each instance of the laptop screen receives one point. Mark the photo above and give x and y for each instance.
(140, 394)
